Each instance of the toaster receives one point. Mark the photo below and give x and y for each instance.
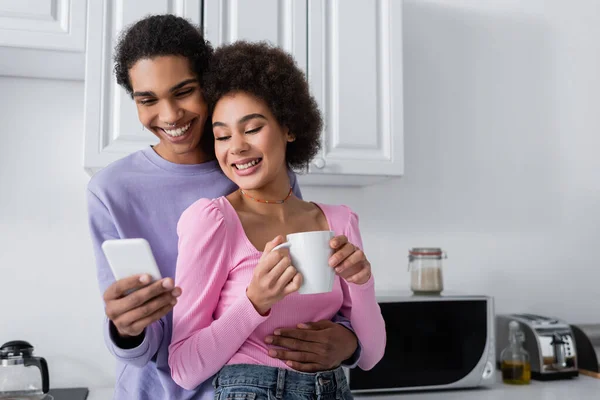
(550, 343)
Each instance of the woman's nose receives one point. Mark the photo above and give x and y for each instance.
(238, 144)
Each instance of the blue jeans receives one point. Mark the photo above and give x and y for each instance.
(257, 382)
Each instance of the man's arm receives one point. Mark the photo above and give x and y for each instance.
(135, 350)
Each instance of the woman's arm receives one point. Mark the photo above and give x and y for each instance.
(201, 345)
(361, 308)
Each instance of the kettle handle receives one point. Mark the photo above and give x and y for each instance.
(43, 366)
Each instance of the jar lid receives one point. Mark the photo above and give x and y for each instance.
(425, 251)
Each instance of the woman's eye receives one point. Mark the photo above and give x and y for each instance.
(222, 138)
(184, 92)
(255, 130)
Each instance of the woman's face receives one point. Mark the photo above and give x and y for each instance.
(170, 104)
(249, 142)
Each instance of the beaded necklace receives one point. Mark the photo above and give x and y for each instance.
(268, 201)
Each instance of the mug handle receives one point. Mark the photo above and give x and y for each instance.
(43, 366)
(282, 245)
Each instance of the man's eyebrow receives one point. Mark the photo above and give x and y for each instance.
(182, 84)
(174, 88)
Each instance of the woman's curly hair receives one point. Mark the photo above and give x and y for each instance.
(269, 73)
(161, 35)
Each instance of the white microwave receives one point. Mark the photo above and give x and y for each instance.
(433, 342)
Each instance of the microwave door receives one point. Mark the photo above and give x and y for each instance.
(429, 343)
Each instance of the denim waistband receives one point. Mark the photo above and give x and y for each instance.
(280, 379)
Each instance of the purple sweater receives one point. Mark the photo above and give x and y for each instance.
(142, 196)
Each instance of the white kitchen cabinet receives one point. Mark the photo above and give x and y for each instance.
(43, 38)
(351, 51)
(355, 72)
(281, 22)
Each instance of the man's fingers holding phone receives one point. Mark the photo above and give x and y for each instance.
(129, 310)
(134, 321)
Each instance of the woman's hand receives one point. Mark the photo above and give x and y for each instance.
(349, 261)
(273, 278)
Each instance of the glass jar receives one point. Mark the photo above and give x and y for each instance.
(425, 266)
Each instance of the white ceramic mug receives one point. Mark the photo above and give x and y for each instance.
(310, 252)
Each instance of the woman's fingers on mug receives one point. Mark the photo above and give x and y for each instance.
(338, 241)
(355, 257)
(362, 276)
(270, 262)
(277, 240)
(341, 254)
(294, 285)
(279, 269)
(286, 276)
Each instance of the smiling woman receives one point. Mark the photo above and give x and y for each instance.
(264, 120)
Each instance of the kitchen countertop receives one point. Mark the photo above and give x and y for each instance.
(580, 388)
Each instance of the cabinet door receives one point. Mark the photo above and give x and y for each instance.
(112, 129)
(42, 38)
(355, 72)
(281, 22)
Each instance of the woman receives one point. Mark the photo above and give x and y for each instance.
(161, 61)
(264, 122)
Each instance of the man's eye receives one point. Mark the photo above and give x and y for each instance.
(184, 92)
(147, 102)
(255, 130)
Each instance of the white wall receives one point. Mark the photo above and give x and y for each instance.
(48, 290)
(501, 132)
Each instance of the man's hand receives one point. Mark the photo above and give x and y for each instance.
(131, 313)
(349, 261)
(313, 347)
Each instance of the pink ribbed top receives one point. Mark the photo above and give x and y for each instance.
(214, 322)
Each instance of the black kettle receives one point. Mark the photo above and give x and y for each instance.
(22, 375)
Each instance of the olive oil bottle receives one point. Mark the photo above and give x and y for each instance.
(514, 359)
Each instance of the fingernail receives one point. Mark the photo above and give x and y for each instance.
(173, 302)
(277, 332)
(338, 269)
(144, 279)
(289, 363)
(167, 284)
(302, 326)
(332, 262)
(268, 339)
(272, 353)
(334, 243)
(176, 292)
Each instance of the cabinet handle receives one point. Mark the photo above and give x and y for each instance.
(319, 163)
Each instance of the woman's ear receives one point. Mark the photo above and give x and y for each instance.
(291, 137)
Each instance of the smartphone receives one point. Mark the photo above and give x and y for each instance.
(128, 257)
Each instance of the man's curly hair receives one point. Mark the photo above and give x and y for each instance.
(269, 73)
(161, 35)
